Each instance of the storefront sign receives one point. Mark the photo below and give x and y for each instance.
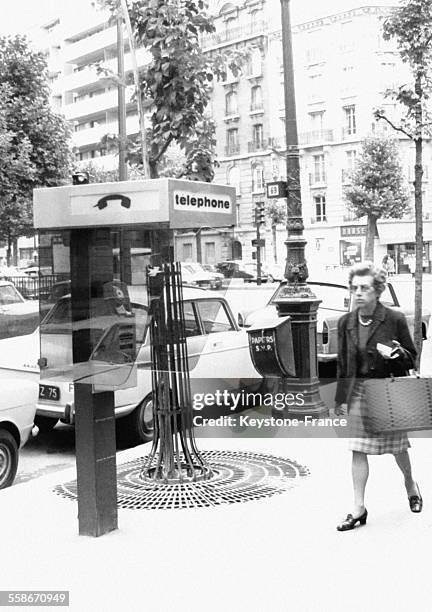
(353, 230)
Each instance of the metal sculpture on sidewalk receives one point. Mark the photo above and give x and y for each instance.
(174, 457)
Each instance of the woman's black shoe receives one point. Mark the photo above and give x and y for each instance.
(350, 522)
(416, 502)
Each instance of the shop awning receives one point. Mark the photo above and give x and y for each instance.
(400, 232)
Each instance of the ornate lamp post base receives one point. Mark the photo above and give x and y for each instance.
(298, 302)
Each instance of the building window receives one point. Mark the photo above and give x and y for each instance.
(231, 103)
(233, 178)
(256, 98)
(187, 251)
(319, 175)
(258, 136)
(254, 63)
(350, 121)
(320, 208)
(316, 121)
(209, 252)
(256, 19)
(258, 179)
(232, 142)
(351, 157)
(316, 86)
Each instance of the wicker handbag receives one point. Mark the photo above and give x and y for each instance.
(398, 404)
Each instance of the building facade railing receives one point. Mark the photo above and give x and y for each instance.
(242, 31)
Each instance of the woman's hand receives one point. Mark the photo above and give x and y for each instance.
(397, 350)
(340, 409)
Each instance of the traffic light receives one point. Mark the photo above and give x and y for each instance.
(80, 178)
(259, 213)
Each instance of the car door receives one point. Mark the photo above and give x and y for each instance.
(225, 360)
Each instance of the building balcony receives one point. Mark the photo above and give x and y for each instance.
(316, 137)
(91, 106)
(93, 136)
(348, 217)
(232, 150)
(319, 219)
(103, 162)
(88, 19)
(277, 143)
(238, 33)
(255, 146)
(82, 79)
(91, 46)
(349, 134)
(317, 180)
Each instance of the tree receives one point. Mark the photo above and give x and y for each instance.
(15, 170)
(35, 139)
(377, 187)
(411, 27)
(277, 212)
(177, 81)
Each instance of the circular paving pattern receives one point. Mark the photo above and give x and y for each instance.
(237, 477)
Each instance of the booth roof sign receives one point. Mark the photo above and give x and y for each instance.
(180, 204)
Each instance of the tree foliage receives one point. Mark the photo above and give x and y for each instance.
(377, 188)
(34, 147)
(177, 81)
(411, 26)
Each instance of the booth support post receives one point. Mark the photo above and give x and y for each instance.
(94, 412)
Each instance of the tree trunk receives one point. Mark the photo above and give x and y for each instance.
(153, 169)
(370, 237)
(274, 242)
(9, 251)
(418, 204)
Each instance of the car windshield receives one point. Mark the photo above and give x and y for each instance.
(9, 295)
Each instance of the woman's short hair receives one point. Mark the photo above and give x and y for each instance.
(368, 268)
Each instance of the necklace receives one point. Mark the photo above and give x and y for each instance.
(364, 323)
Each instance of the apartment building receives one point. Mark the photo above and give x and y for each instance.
(342, 69)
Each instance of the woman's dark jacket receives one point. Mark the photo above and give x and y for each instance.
(387, 325)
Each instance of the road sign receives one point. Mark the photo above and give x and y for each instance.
(258, 242)
(277, 189)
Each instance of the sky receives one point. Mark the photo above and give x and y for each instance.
(18, 16)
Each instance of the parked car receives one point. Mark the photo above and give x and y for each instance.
(212, 270)
(239, 268)
(218, 353)
(17, 315)
(17, 412)
(194, 274)
(336, 299)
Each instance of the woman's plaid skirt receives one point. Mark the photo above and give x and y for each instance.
(364, 441)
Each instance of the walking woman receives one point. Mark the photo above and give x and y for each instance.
(359, 332)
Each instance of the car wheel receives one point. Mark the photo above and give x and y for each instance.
(137, 427)
(8, 458)
(44, 423)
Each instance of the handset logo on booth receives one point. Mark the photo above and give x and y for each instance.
(103, 202)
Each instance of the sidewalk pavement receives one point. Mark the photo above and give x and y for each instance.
(277, 554)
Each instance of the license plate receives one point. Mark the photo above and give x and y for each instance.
(48, 392)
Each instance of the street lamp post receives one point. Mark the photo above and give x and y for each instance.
(295, 298)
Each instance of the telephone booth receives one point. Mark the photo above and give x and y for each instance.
(98, 240)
